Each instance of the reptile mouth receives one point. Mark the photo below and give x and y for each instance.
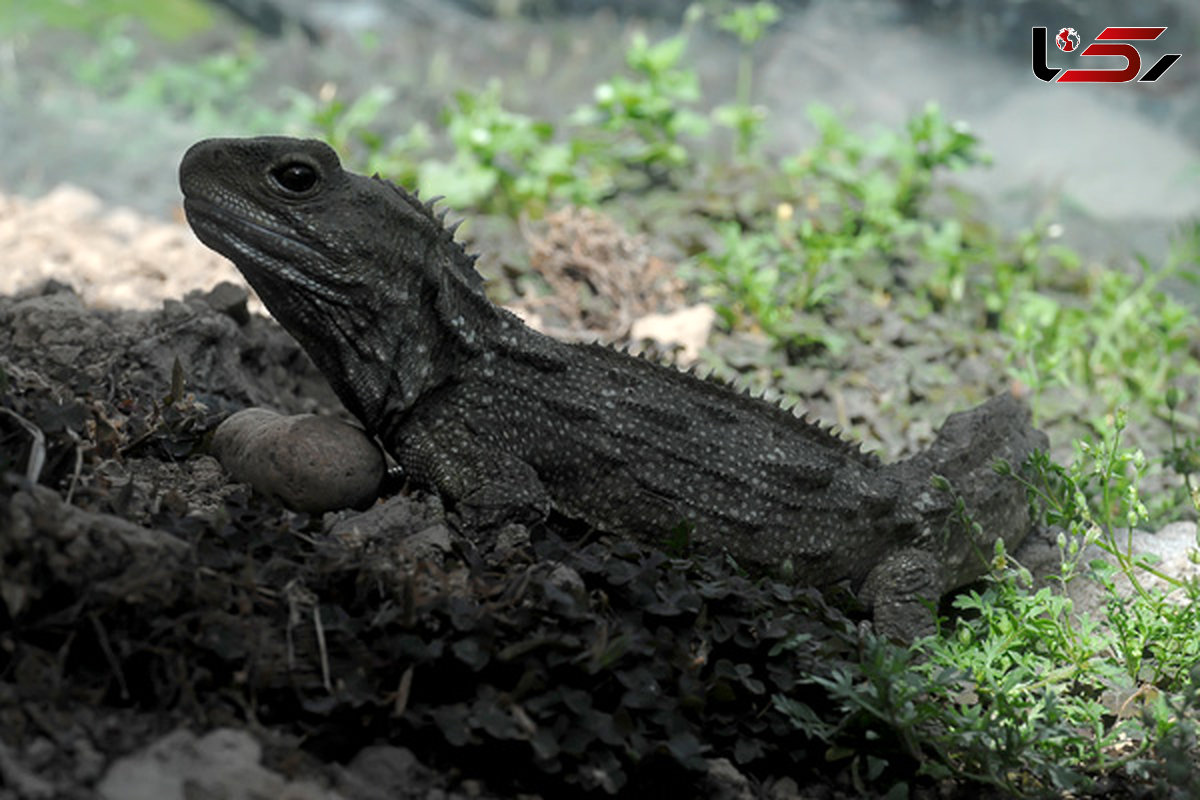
(235, 236)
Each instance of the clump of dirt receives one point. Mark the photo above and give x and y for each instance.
(121, 399)
(601, 279)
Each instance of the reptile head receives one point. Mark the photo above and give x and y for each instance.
(358, 270)
(295, 223)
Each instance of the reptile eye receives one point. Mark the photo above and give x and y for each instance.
(295, 176)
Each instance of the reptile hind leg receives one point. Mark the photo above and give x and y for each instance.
(900, 590)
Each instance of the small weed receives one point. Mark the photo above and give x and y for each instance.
(748, 23)
(640, 123)
(171, 19)
(507, 157)
(771, 278)
(881, 181)
(856, 205)
(350, 127)
(1095, 500)
(1100, 345)
(111, 63)
(207, 90)
(500, 161)
(1022, 693)
(1183, 457)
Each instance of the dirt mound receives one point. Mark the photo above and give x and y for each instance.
(157, 616)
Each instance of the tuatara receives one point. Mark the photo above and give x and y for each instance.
(508, 424)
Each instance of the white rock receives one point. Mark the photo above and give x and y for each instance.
(1170, 545)
(687, 327)
(223, 763)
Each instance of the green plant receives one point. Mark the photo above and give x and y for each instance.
(943, 246)
(1032, 260)
(857, 210)
(1183, 457)
(890, 171)
(207, 90)
(503, 161)
(876, 186)
(1092, 499)
(110, 64)
(880, 700)
(932, 143)
(1021, 692)
(773, 278)
(644, 120)
(350, 127)
(1099, 345)
(748, 23)
(899, 716)
(172, 19)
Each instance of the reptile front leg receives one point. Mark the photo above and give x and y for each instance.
(487, 486)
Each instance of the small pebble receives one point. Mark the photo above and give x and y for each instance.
(312, 464)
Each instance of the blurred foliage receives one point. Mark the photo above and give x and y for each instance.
(207, 90)
(171, 19)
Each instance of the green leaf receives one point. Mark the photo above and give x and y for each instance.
(462, 182)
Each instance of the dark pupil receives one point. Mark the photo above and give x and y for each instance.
(295, 177)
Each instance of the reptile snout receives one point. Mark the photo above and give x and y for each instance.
(200, 163)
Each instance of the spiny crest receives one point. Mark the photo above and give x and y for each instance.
(798, 416)
(791, 407)
(437, 227)
(834, 435)
(830, 433)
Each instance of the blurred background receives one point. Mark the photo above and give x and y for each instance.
(107, 94)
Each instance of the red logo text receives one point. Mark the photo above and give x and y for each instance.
(1110, 42)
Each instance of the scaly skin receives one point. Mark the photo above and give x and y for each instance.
(507, 424)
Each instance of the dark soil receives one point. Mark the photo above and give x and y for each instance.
(144, 594)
